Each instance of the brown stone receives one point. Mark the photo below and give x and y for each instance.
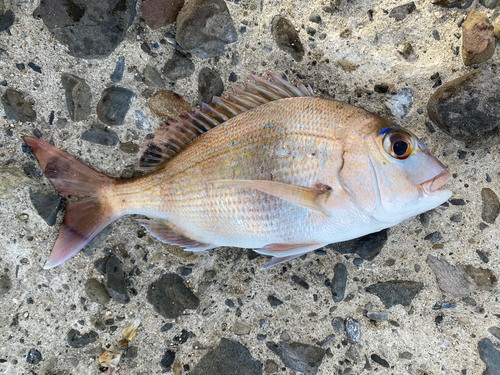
(159, 13)
(478, 41)
(168, 104)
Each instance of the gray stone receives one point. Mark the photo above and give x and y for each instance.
(298, 357)
(178, 67)
(491, 205)
(99, 240)
(468, 108)
(91, 28)
(353, 353)
(34, 357)
(16, 108)
(5, 284)
(96, 292)
(396, 292)
(167, 360)
(490, 4)
(116, 283)
(433, 237)
(152, 77)
(114, 105)
(315, 17)
(204, 27)
(353, 330)
(367, 247)
(462, 4)
(241, 329)
(271, 367)
(78, 96)
(47, 206)
(495, 331)
(100, 136)
(6, 20)
(209, 85)
(400, 12)
(170, 296)
(77, 340)
(339, 280)
(117, 75)
(274, 301)
(287, 38)
(228, 358)
(490, 356)
(327, 340)
(338, 324)
(378, 316)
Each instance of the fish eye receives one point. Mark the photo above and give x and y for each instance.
(398, 144)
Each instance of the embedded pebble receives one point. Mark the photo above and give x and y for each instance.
(228, 358)
(378, 316)
(117, 75)
(34, 357)
(168, 105)
(491, 205)
(396, 292)
(367, 247)
(100, 136)
(400, 103)
(456, 109)
(400, 12)
(462, 4)
(490, 4)
(16, 107)
(339, 280)
(96, 292)
(297, 280)
(495, 331)
(141, 121)
(116, 284)
(5, 284)
(353, 353)
(78, 96)
(47, 206)
(327, 340)
(209, 85)
(434, 237)
(274, 301)
(241, 329)
(6, 20)
(152, 77)
(353, 330)
(178, 66)
(490, 356)
(287, 38)
(478, 40)
(378, 359)
(167, 360)
(298, 357)
(204, 27)
(87, 30)
(338, 324)
(159, 13)
(315, 17)
(114, 105)
(170, 296)
(76, 340)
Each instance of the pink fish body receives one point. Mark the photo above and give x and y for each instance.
(278, 171)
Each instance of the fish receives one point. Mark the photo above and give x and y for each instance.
(270, 167)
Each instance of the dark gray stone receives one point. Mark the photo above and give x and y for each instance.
(353, 330)
(468, 108)
(367, 247)
(490, 356)
(78, 96)
(96, 292)
(228, 358)
(434, 237)
(298, 357)
(399, 13)
(6, 20)
(209, 85)
(204, 27)
(114, 105)
(90, 28)
(339, 281)
(490, 4)
(353, 353)
(395, 292)
(315, 17)
(152, 77)
(34, 357)
(287, 38)
(274, 301)
(5, 284)
(168, 360)
(297, 280)
(101, 137)
(16, 108)
(117, 75)
(378, 359)
(116, 284)
(378, 316)
(99, 240)
(76, 340)
(338, 324)
(491, 205)
(178, 67)
(47, 206)
(170, 296)
(495, 331)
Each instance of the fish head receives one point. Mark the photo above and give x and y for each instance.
(394, 176)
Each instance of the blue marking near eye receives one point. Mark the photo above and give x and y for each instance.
(385, 131)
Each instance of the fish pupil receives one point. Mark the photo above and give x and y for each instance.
(400, 148)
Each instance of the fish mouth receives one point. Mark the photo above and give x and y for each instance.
(433, 185)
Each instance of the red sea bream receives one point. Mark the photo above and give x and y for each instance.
(271, 168)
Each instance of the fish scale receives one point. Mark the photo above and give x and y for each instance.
(270, 168)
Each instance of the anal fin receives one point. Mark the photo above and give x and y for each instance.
(283, 252)
(169, 233)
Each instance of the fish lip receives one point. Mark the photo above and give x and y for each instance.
(434, 184)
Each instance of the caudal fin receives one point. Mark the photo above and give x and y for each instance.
(84, 219)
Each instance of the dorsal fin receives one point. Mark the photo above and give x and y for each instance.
(174, 135)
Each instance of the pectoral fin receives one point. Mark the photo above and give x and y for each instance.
(311, 198)
(283, 252)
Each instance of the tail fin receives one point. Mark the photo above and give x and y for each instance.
(84, 219)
